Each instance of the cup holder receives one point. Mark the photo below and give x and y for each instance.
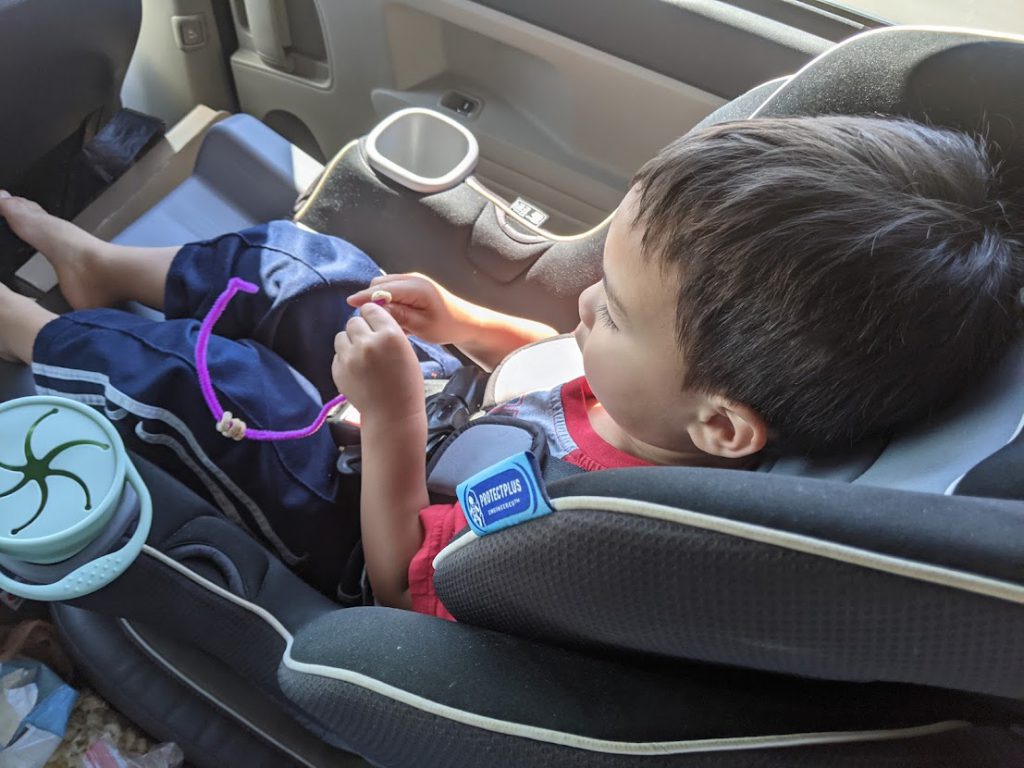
(422, 150)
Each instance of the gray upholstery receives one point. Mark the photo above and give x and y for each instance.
(245, 175)
(934, 455)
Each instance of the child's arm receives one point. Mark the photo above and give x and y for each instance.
(377, 370)
(425, 309)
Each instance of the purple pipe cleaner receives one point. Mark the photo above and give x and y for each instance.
(235, 285)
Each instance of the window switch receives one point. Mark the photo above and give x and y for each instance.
(189, 31)
(460, 103)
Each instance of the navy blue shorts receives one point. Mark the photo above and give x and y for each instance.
(270, 363)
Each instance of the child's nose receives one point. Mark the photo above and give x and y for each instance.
(587, 298)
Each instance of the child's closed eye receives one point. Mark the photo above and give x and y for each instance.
(606, 317)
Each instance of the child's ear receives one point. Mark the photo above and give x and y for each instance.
(728, 429)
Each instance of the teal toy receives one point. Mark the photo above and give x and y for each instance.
(63, 472)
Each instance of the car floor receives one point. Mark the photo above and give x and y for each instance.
(27, 632)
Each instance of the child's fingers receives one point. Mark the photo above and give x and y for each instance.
(384, 281)
(408, 291)
(357, 327)
(401, 314)
(376, 318)
(380, 279)
(337, 372)
(366, 294)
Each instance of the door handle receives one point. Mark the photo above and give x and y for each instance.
(268, 25)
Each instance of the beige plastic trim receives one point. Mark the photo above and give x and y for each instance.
(166, 79)
(563, 125)
(269, 31)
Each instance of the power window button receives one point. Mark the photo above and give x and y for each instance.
(189, 31)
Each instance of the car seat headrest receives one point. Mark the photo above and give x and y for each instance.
(951, 78)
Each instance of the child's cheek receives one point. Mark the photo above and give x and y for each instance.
(599, 364)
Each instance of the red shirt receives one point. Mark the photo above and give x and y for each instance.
(562, 415)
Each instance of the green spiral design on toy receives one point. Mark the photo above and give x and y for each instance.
(38, 470)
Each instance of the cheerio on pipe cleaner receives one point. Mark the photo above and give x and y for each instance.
(227, 424)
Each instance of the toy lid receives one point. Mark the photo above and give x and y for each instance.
(62, 471)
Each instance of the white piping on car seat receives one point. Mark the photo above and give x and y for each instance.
(324, 175)
(547, 735)
(220, 704)
(453, 546)
(934, 574)
(145, 411)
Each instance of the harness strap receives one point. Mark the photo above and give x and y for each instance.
(484, 442)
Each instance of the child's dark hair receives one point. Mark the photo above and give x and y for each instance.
(842, 276)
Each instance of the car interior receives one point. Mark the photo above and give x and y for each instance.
(860, 609)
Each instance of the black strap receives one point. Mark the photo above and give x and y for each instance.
(1000, 476)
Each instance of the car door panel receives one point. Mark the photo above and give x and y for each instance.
(569, 98)
(572, 97)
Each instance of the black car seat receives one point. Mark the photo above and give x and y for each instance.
(61, 69)
(858, 612)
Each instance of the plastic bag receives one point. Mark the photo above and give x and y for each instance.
(34, 709)
(103, 754)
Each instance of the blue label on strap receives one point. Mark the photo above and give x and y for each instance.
(504, 494)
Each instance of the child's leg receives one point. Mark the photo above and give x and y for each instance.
(141, 374)
(92, 273)
(304, 279)
(21, 319)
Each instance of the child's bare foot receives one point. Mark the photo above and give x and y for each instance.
(76, 256)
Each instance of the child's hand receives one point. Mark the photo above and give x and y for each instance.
(375, 367)
(422, 307)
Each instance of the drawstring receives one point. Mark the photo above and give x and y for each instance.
(227, 425)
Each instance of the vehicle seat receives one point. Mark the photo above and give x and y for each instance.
(661, 616)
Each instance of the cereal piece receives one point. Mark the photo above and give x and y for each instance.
(380, 297)
(231, 427)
